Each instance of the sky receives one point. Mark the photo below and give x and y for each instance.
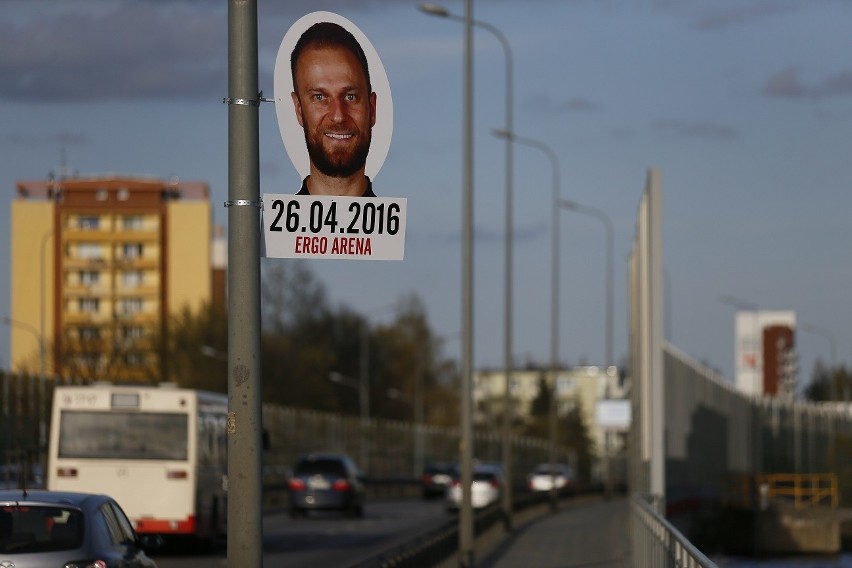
(744, 106)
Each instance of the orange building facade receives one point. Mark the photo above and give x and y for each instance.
(98, 266)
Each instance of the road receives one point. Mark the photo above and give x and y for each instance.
(327, 539)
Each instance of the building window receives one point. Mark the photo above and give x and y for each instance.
(89, 305)
(131, 278)
(91, 361)
(89, 277)
(132, 332)
(565, 385)
(89, 333)
(134, 359)
(89, 251)
(89, 223)
(123, 194)
(132, 250)
(101, 194)
(130, 305)
(132, 223)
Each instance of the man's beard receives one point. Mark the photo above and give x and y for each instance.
(338, 164)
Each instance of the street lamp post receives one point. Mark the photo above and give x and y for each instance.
(361, 387)
(466, 532)
(554, 289)
(600, 215)
(40, 340)
(827, 335)
(441, 12)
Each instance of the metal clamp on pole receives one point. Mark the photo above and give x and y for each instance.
(248, 102)
(244, 203)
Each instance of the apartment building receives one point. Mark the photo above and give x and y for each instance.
(98, 265)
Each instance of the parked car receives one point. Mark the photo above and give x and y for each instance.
(74, 530)
(544, 477)
(486, 488)
(326, 482)
(437, 477)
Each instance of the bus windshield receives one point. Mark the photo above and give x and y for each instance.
(123, 435)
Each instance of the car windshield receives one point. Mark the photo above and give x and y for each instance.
(39, 528)
(320, 466)
(484, 476)
(546, 470)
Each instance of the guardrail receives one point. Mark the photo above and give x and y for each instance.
(801, 490)
(656, 543)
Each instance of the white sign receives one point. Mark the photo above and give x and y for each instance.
(306, 226)
(613, 414)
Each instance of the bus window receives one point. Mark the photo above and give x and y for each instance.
(126, 435)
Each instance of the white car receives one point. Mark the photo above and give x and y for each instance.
(486, 489)
(544, 477)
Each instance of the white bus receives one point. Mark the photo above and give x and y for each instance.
(159, 451)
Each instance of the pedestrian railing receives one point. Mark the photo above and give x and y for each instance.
(656, 543)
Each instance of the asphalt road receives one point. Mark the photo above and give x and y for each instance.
(328, 539)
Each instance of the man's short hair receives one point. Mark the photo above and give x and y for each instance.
(329, 34)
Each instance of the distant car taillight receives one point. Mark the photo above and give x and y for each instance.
(495, 484)
(341, 485)
(427, 479)
(297, 485)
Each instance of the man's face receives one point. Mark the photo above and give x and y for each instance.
(335, 108)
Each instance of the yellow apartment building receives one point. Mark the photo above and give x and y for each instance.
(98, 265)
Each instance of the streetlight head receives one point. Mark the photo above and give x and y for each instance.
(501, 133)
(568, 204)
(433, 10)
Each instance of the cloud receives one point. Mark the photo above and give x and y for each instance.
(129, 50)
(694, 129)
(63, 139)
(545, 103)
(734, 14)
(788, 84)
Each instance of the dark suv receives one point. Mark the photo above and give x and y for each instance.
(326, 482)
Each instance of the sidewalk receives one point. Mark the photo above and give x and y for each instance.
(586, 532)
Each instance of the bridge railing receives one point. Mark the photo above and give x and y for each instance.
(656, 543)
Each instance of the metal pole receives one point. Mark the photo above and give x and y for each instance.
(466, 552)
(825, 334)
(441, 12)
(42, 422)
(554, 293)
(364, 396)
(245, 522)
(554, 324)
(40, 340)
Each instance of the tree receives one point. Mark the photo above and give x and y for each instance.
(195, 349)
(829, 384)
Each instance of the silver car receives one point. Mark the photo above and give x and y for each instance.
(47, 529)
(546, 477)
(485, 490)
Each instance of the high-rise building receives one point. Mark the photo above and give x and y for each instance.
(98, 266)
(755, 376)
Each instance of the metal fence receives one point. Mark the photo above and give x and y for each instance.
(656, 543)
